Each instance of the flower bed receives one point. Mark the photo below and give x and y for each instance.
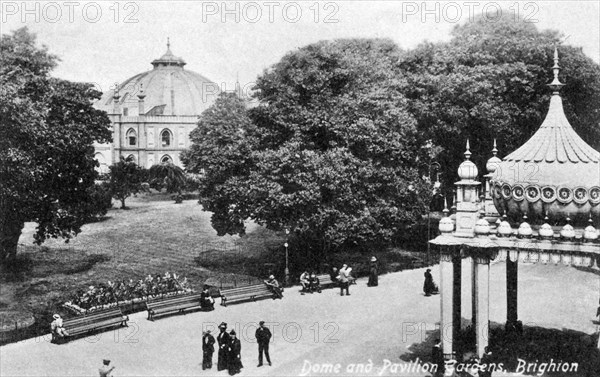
(129, 295)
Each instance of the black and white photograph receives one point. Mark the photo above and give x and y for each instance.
(299, 188)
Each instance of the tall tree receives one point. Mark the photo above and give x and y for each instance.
(489, 82)
(126, 178)
(221, 153)
(167, 175)
(47, 128)
(333, 152)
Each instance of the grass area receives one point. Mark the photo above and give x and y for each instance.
(152, 236)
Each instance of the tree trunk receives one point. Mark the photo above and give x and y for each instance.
(122, 203)
(10, 231)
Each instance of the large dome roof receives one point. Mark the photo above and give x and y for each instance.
(555, 172)
(169, 90)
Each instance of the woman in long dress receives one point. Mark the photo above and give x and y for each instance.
(373, 278)
(235, 354)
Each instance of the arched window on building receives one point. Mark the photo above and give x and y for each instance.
(165, 138)
(131, 158)
(166, 159)
(131, 137)
(103, 168)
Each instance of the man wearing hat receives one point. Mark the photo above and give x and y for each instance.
(263, 336)
(208, 348)
(235, 354)
(344, 280)
(273, 284)
(105, 369)
(223, 339)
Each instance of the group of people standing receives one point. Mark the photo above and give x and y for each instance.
(229, 354)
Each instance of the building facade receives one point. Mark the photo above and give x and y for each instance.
(153, 113)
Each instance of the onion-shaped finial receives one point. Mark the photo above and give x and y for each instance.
(590, 233)
(482, 226)
(525, 230)
(567, 232)
(556, 85)
(504, 229)
(546, 231)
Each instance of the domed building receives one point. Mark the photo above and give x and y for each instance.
(153, 113)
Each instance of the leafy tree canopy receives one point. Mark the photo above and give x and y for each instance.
(489, 82)
(331, 151)
(47, 128)
(126, 178)
(167, 175)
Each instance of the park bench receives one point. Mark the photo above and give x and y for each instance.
(92, 322)
(174, 304)
(326, 282)
(245, 293)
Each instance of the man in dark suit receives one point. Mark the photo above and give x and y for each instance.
(263, 336)
(208, 348)
(224, 341)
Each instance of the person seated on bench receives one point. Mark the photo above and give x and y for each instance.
(273, 284)
(206, 300)
(57, 327)
(315, 284)
(429, 286)
(334, 274)
(305, 281)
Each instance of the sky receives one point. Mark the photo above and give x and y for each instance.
(105, 42)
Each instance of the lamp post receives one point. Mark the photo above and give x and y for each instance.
(287, 264)
(436, 187)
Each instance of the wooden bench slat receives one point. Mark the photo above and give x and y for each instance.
(173, 304)
(93, 321)
(250, 292)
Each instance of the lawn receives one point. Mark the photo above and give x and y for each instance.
(152, 236)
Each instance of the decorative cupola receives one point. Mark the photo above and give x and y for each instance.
(558, 172)
(467, 171)
(494, 161)
(466, 203)
(524, 230)
(504, 229)
(567, 232)
(482, 226)
(491, 212)
(546, 232)
(446, 225)
(141, 95)
(168, 59)
(590, 233)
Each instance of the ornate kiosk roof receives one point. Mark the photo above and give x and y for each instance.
(555, 173)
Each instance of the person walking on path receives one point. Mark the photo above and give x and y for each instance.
(105, 370)
(208, 348)
(235, 354)
(344, 280)
(373, 277)
(224, 341)
(263, 336)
